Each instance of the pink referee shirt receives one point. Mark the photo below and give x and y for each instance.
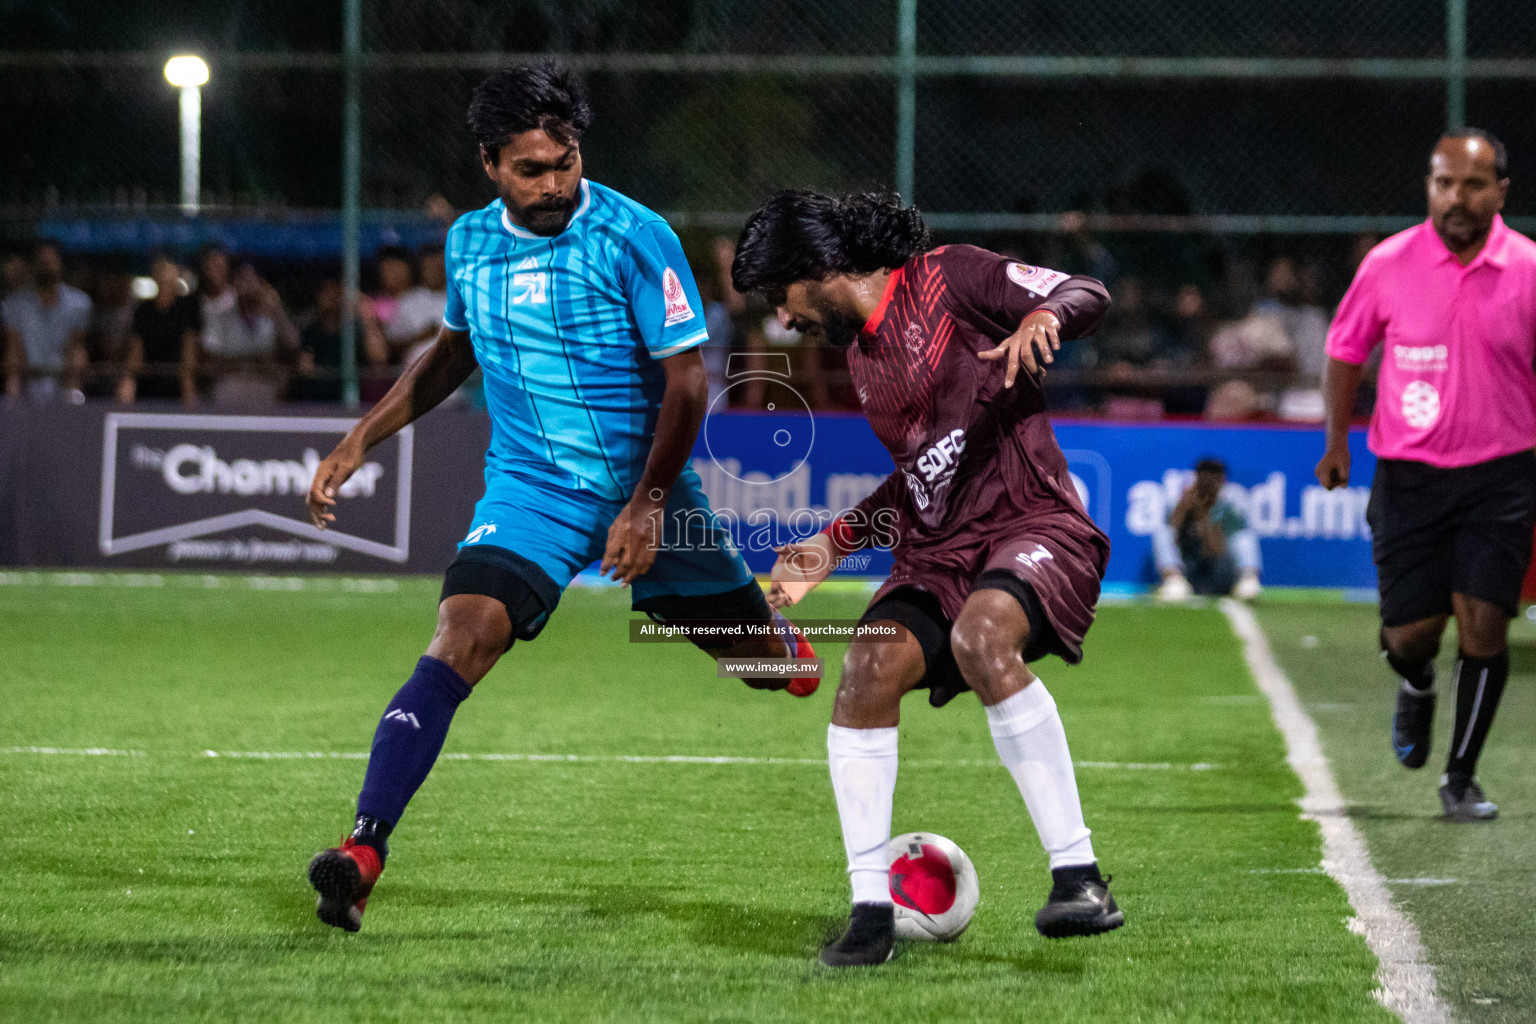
(1457, 385)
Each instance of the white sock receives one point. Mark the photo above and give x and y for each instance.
(863, 763)
(1033, 746)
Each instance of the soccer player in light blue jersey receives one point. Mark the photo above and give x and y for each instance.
(580, 308)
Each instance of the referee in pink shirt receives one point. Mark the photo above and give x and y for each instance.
(1452, 507)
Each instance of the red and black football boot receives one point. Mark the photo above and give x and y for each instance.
(344, 876)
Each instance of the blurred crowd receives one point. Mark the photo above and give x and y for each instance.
(1198, 328)
(211, 330)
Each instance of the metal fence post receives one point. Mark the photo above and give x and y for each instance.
(906, 97)
(351, 188)
(1456, 63)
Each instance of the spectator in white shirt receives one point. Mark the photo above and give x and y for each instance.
(44, 328)
(242, 343)
(213, 287)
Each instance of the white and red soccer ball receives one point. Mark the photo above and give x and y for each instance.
(933, 886)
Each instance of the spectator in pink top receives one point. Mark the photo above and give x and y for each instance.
(1453, 504)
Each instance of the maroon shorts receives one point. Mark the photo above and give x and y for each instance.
(1060, 571)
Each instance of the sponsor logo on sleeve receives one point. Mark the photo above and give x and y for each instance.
(678, 310)
(1039, 281)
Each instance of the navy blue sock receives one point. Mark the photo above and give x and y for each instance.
(409, 738)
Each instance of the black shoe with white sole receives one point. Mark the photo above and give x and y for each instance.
(1080, 904)
(869, 940)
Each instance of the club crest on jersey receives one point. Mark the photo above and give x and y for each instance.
(678, 309)
(529, 287)
(1039, 281)
(914, 335)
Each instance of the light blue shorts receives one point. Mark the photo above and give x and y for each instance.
(564, 531)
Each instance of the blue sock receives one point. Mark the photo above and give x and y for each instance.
(787, 632)
(409, 738)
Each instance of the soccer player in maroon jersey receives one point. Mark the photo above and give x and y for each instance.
(996, 561)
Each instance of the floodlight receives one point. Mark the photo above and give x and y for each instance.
(186, 70)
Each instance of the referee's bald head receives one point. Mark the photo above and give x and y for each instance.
(1480, 139)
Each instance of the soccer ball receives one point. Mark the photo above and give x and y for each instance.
(933, 885)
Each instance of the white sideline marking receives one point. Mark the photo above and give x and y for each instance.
(346, 585)
(362, 755)
(1407, 980)
(76, 751)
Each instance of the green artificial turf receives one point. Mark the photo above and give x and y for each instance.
(1467, 886)
(168, 885)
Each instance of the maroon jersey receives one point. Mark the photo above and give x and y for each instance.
(976, 462)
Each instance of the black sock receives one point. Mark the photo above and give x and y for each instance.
(374, 832)
(1417, 673)
(1479, 685)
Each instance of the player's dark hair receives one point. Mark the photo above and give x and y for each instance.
(1211, 464)
(541, 94)
(800, 235)
(1500, 155)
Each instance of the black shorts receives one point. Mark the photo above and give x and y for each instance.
(1435, 532)
(921, 613)
(530, 595)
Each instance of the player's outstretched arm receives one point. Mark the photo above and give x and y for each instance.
(1341, 384)
(636, 531)
(803, 565)
(800, 567)
(424, 384)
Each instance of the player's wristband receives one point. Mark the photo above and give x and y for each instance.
(841, 533)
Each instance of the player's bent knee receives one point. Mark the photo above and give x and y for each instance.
(989, 637)
(473, 631)
(979, 651)
(1414, 641)
(1482, 628)
(877, 675)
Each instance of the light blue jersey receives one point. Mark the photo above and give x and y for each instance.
(569, 332)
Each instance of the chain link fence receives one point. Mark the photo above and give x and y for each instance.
(1165, 145)
(1315, 108)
